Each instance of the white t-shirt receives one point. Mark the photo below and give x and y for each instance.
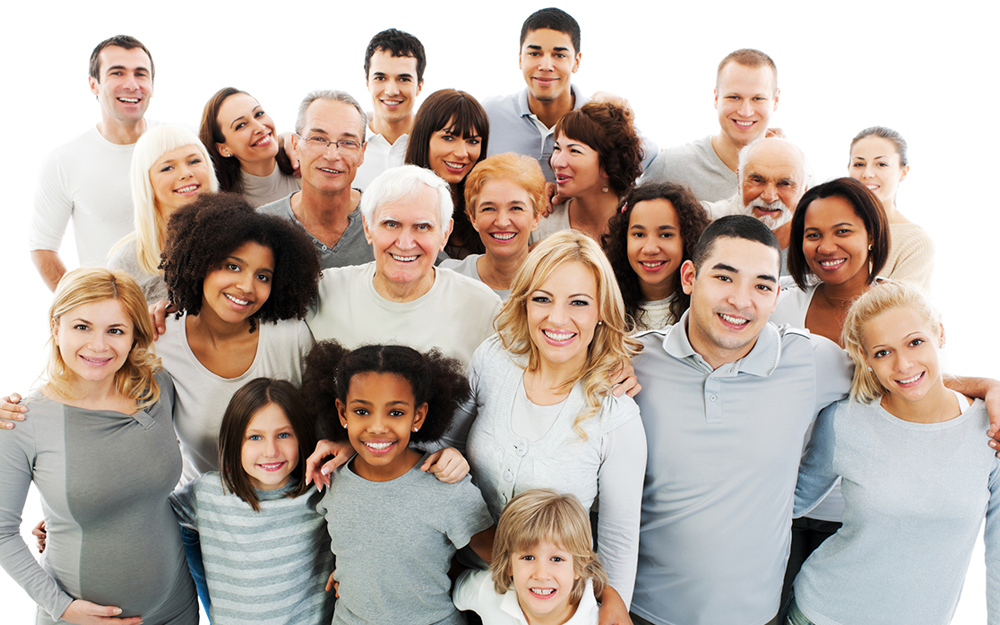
(380, 155)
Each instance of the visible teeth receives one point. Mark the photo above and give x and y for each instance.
(379, 446)
(831, 263)
(734, 320)
(455, 165)
(558, 336)
(273, 465)
(652, 264)
(97, 361)
(129, 100)
(913, 379)
(542, 591)
(872, 186)
(403, 259)
(502, 237)
(266, 140)
(187, 189)
(241, 302)
(332, 171)
(392, 102)
(743, 124)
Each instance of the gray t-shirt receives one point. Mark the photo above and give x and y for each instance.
(696, 166)
(394, 542)
(351, 249)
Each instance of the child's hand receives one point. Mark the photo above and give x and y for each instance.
(341, 453)
(448, 465)
(333, 584)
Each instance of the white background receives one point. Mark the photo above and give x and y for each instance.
(928, 72)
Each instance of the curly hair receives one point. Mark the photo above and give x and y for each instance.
(609, 129)
(693, 220)
(611, 346)
(436, 380)
(201, 235)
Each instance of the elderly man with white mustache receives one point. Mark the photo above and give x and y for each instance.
(773, 176)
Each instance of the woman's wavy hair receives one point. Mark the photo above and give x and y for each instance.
(95, 284)
(522, 170)
(609, 129)
(693, 220)
(611, 347)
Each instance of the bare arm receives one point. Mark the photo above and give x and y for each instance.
(49, 266)
(986, 389)
(613, 610)
(482, 544)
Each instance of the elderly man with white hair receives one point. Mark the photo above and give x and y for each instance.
(773, 175)
(401, 297)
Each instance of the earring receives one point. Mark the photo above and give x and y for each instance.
(600, 323)
(605, 189)
(416, 429)
(869, 369)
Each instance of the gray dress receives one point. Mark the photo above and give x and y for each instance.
(104, 478)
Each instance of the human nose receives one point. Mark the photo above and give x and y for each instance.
(558, 314)
(739, 297)
(503, 218)
(391, 88)
(271, 447)
(650, 246)
(826, 244)
(557, 160)
(869, 172)
(545, 62)
(770, 193)
(746, 110)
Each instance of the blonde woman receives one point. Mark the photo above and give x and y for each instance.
(170, 168)
(101, 449)
(542, 414)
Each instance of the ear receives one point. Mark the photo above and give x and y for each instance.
(715, 98)
(367, 229)
(777, 93)
(447, 233)
(536, 220)
(688, 275)
(223, 150)
(576, 61)
(295, 143)
(92, 82)
(420, 87)
(419, 417)
(940, 335)
(342, 413)
(55, 329)
(906, 170)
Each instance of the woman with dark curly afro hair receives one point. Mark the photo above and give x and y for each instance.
(596, 158)
(648, 239)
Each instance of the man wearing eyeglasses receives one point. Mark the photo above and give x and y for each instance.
(329, 144)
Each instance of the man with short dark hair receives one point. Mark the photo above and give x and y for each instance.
(746, 93)
(88, 178)
(394, 74)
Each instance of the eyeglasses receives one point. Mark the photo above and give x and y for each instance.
(316, 143)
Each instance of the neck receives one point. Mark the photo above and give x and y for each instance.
(498, 271)
(549, 111)
(261, 169)
(97, 395)
(657, 292)
(714, 355)
(208, 325)
(401, 293)
(937, 406)
(392, 130)
(841, 296)
(558, 616)
(556, 379)
(389, 472)
(892, 214)
(727, 150)
(590, 212)
(119, 133)
(324, 209)
(784, 235)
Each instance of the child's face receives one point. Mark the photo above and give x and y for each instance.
(543, 580)
(379, 416)
(902, 349)
(270, 449)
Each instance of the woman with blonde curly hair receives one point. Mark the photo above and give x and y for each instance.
(542, 414)
(104, 410)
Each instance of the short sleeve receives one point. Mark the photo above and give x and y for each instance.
(470, 589)
(467, 513)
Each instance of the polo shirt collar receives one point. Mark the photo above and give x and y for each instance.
(761, 361)
(523, 110)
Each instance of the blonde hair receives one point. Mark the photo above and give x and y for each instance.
(887, 296)
(522, 170)
(94, 284)
(150, 227)
(611, 347)
(544, 515)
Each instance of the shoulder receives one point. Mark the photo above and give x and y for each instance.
(501, 103)
(793, 303)
(278, 208)
(617, 411)
(910, 236)
(471, 292)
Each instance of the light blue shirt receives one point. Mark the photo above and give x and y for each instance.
(723, 455)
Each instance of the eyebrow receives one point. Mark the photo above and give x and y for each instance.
(403, 74)
(90, 323)
(724, 267)
(571, 295)
(138, 68)
(365, 402)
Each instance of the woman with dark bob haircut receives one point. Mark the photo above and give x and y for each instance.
(450, 135)
(839, 244)
(654, 232)
(596, 157)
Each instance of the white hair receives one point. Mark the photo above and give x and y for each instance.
(744, 158)
(150, 227)
(399, 183)
(334, 96)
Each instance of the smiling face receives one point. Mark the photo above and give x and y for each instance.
(543, 580)
(270, 449)
(901, 347)
(452, 156)
(380, 413)
(732, 297)
(504, 217)
(94, 340)
(563, 315)
(876, 163)
(577, 167)
(773, 182)
(745, 97)
(835, 241)
(548, 62)
(248, 130)
(655, 247)
(237, 290)
(178, 177)
(392, 83)
(126, 84)
(327, 168)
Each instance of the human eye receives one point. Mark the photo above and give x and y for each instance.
(259, 114)
(845, 231)
(579, 302)
(558, 559)
(361, 412)
(286, 435)
(316, 142)
(195, 161)
(527, 557)
(540, 299)
(916, 342)
(348, 144)
(254, 437)
(424, 227)
(166, 168)
(723, 278)
(116, 331)
(232, 267)
(486, 208)
(473, 141)
(240, 126)
(883, 164)
(263, 277)
(81, 327)
(880, 353)
(766, 288)
(405, 79)
(396, 413)
(667, 235)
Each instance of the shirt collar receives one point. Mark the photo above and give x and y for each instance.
(761, 361)
(523, 110)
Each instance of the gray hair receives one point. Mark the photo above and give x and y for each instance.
(744, 158)
(328, 94)
(399, 183)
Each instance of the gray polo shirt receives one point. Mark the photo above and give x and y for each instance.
(724, 448)
(351, 249)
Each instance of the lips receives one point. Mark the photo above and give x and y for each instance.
(733, 321)
(129, 100)
(97, 362)
(189, 189)
(238, 303)
(403, 259)
(911, 381)
(262, 142)
(652, 265)
(503, 236)
(743, 123)
(379, 447)
(272, 466)
(832, 264)
(542, 593)
(558, 338)
(454, 167)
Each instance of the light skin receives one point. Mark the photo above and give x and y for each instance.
(392, 83)
(579, 176)
(326, 201)
(406, 237)
(875, 162)
(774, 172)
(732, 296)
(548, 61)
(835, 244)
(250, 135)
(178, 177)
(655, 247)
(452, 156)
(270, 449)
(504, 218)
(543, 579)
(745, 97)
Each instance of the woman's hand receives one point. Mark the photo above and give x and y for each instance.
(86, 613)
(158, 315)
(613, 610)
(448, 465)
(40, 535)
(624, 381)
(316, 471)
(11, 411)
